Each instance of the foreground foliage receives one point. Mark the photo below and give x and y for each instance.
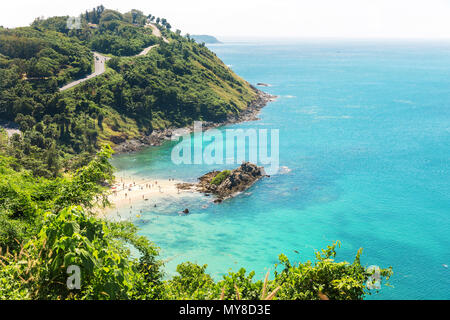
(46, 226)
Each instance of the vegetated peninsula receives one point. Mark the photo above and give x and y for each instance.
(154, 80)
(66, 95)
(206, 39)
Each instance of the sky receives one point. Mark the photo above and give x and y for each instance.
(265, 18)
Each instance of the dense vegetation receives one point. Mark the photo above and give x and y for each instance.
(46, 226)
(30, 54)
(173, 85)
(54, 175)
(106, 31)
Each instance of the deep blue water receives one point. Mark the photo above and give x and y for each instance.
(365, 129)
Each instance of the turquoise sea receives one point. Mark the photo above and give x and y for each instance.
(364, 129)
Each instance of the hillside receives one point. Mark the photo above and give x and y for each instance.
(55, 175)
(176, 82)
(205, 38)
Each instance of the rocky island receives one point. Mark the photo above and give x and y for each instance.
(227, 184)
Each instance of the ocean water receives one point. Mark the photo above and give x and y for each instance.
(364, 129)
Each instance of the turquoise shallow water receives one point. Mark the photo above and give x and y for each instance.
(365, 129)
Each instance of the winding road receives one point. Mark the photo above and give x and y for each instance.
(146, 50)
(156, 32)
(10, 127)
(100, 68)
(100, 60)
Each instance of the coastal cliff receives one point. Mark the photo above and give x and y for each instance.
(157, 137)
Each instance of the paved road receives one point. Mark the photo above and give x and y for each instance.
(147, 50)
(10, 127)
(156, 31)
(100, 62)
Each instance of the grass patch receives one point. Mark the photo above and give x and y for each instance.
(221, 176)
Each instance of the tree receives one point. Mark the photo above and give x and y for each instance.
(26, 123)
(87, 185)
(97, 248)
(53, 160)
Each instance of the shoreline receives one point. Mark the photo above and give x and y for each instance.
(133, 191)
(158, 137)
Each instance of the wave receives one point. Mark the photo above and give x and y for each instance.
(284, 170)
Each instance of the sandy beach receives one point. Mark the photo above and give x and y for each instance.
(131, 191)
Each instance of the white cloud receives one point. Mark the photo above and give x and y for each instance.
(267, 18)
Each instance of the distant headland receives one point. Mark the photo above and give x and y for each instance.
(206, 39)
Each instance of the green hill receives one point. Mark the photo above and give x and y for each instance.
(205, 38)
(177, 82)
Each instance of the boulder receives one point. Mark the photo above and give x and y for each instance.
(237, 181)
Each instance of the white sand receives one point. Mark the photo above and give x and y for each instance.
(131, 191)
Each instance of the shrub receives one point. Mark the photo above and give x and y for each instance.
(220, 177)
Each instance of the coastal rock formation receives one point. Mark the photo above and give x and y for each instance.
(157, 137)
(226, 184)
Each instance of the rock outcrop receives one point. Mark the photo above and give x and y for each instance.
(230, 182)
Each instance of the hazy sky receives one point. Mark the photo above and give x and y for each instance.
(265, 18)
